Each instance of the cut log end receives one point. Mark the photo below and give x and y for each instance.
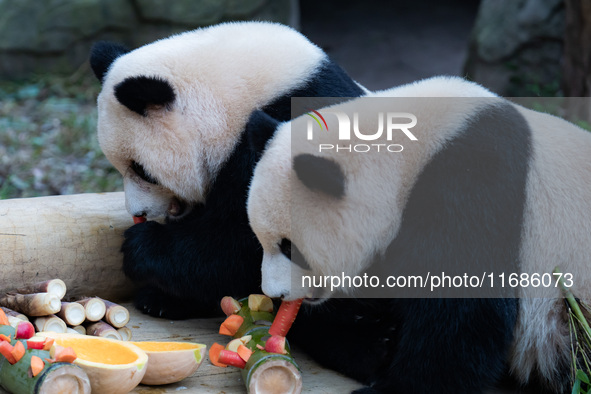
(276, 377)
(66, 379)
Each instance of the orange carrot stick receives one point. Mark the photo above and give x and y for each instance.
(231, 325)
(18, 351)
(285, 317)
(3, 319)
(67, 355)
(244, 352)
(6, 351)
(37, 365)
(214, 354)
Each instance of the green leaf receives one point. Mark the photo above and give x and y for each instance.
(577, 387)
(582, 376)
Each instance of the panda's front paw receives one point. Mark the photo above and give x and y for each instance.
(142, 248)
(154, 302)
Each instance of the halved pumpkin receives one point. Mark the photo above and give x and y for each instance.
(113, 367)
(170, 362)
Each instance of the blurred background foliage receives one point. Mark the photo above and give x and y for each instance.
(48, 139)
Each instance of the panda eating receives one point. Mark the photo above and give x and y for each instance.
(171, 116)
(487, 181)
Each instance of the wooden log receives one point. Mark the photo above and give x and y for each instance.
(76, 238)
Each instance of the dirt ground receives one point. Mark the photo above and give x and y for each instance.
(384, 43)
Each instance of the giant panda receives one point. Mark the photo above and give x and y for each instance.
(171, 115)
(485, 181)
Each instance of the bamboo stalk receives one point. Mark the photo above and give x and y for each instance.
(79, 329)
(94, 308)
(50, 323)
(116, 315)
(102, 329)
(52, 286)
(9, 312)
(570, 298)
(265, 372)
(125, 333)
(39, 304)
(72, 313)
(56, 378)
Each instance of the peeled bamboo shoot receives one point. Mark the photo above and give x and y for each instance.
(94, 308)
(52, 286)
(39, 304)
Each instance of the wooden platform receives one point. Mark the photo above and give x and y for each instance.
(212, 379)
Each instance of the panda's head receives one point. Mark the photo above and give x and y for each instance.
(325, 213)
(308, 211)
(171, 113)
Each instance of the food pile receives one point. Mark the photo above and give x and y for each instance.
(58, 359)
(43, 304)
(259, 347)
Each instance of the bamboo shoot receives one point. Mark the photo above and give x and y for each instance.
(52, 286)
(72, 313)
(39, 304)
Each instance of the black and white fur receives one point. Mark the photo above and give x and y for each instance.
(171, 116)
(487, 181)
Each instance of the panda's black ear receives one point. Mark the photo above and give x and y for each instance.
(102, 55)
(320, 174)
(259, 130)
(141, 93)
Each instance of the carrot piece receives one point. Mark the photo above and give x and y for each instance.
(66, 355)
(6, 351)
(214, 354)
(244, 352)
(3, 319)
(48, 343)
(285, 317)
(5, 338)
(37, 365)
(139, 219)
(18, 351)
(231, 358)
(231, 325)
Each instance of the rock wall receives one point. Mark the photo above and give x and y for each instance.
(516, 46)
(55, 35)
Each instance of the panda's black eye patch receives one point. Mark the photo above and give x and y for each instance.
(290, 250)
(285, 247)
(142, 173)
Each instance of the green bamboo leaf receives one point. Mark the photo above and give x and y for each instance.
(582, 376)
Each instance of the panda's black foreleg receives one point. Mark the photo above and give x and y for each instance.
(186, 267)
(405, 346)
